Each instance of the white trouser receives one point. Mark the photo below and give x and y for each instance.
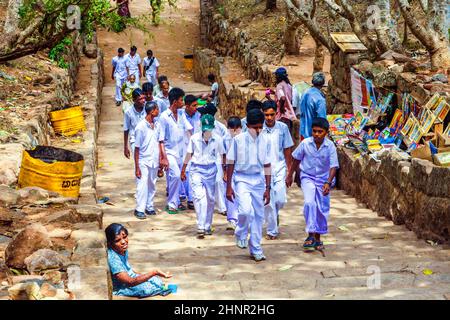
(203, 180)
(151, 77)
(146, 187)
(186, 187)
(249, 197)
(277, 198)
(119, 83)
(231, 206)
(173, 182)
(221, 205)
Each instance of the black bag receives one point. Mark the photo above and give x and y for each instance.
(150, 64)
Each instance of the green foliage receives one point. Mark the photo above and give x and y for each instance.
(58, 52)
(94, 13)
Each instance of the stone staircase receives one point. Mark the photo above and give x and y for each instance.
(214, 268)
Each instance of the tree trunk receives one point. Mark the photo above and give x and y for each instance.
(440, 59)
(435, 42)
(12, 17)
(311, 25)
(319, 57)
(271, 4)
(291, 35)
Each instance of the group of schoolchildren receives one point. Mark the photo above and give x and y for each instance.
(243, 169)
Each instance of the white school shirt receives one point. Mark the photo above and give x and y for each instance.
(164, 102)
(205, 153)
(215, 88)
(152, 69)
(119, 63)
(279, 139)
(220, 129)
(316, 164)
(147, 142)
(249, 154)
(130, 121)
(133, 62)
(244, 124)
(172, 133)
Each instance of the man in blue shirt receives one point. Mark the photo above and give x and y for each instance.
(313, 105)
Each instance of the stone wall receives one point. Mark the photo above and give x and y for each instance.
(218, 34)
(416, 194)
(232, 98)
(339, 95)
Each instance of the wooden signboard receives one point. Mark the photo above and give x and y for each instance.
(348, 42)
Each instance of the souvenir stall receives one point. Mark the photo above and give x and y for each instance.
(381, 123)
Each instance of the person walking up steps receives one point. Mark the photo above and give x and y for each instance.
(203, 150)
(151, 67)
(279, 137)
(248, 163)
(133, 63)
(193, 117)
(219, 130)
(146, 159)
(127, 92)
(316, 157)
(131, 119)
(171, 140)
(119, 74)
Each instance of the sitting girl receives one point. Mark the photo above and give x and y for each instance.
(126, 282)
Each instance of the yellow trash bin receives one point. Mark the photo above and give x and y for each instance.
(68, 122)
(189, 62)
(52, 169)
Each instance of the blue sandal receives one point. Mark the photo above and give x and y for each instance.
(310, 245)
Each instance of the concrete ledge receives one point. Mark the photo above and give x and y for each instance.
(416, 194)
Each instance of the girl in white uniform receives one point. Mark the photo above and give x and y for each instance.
(202, 152)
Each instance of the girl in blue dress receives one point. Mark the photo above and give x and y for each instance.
(126, 282)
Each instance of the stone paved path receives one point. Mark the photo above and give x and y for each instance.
(214, 268)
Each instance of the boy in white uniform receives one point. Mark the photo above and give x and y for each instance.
(248, 162)
(132, 117)
(193, 117)
(151, 67)
(234, 128)
(146, 159)
(134, 63)
(171, 140)
(203, 150)
(252, 104)
(220, 130)
(119, 73)
(279, 137)
(163, 96)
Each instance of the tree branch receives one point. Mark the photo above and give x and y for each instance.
(312, 26)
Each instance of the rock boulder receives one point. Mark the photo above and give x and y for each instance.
(29, 240)
(44, 259)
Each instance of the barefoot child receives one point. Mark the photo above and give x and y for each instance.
(317, 159)
(203, 150)
(146, 158)
(249, 164)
